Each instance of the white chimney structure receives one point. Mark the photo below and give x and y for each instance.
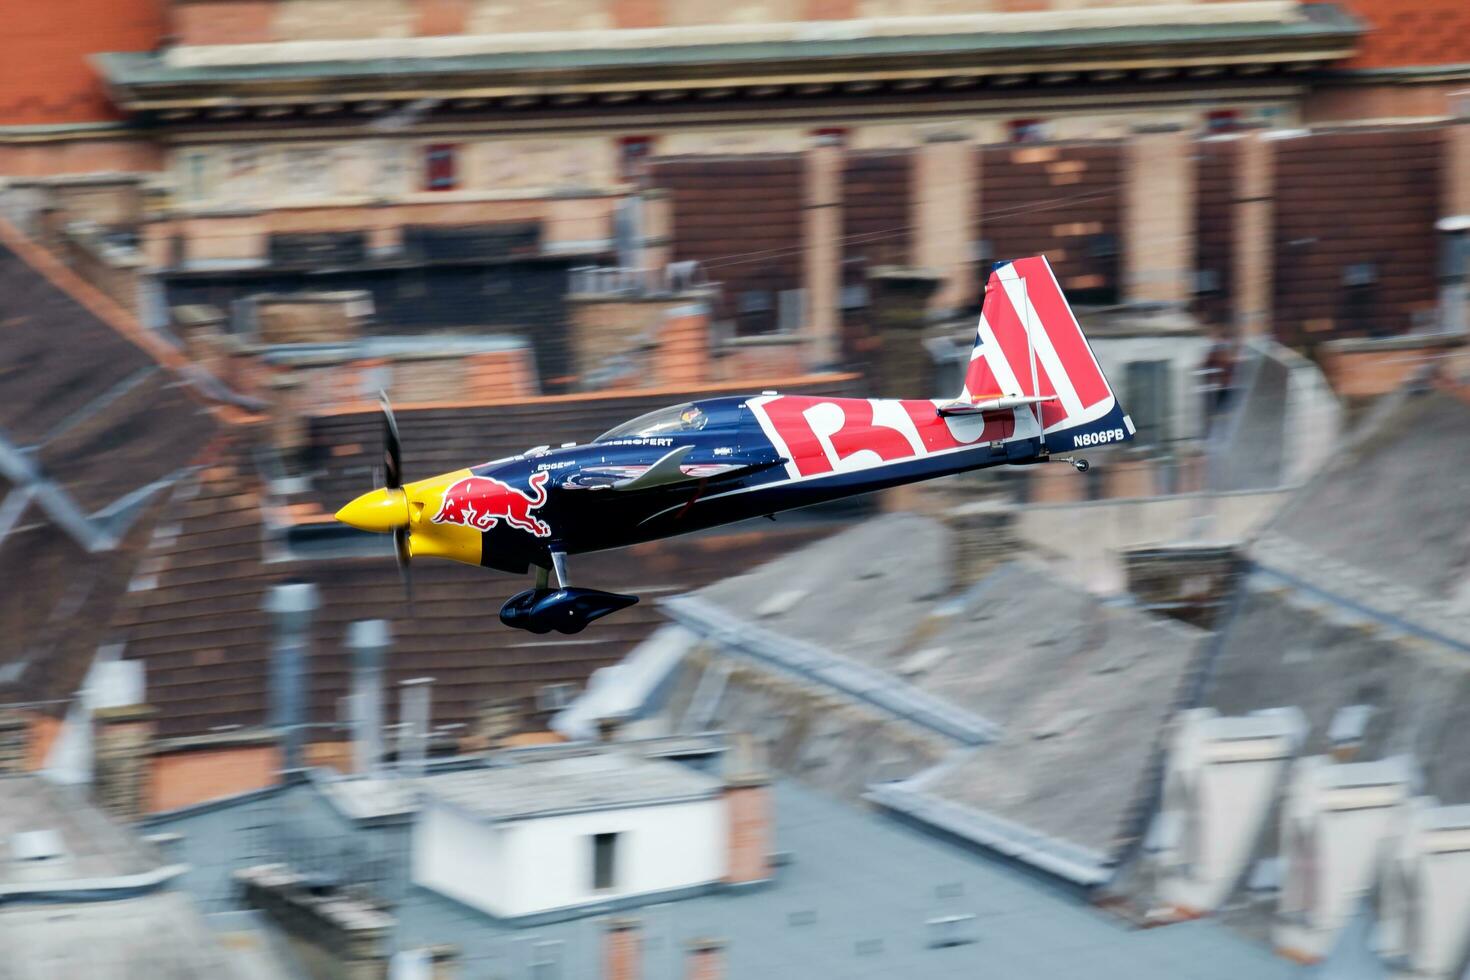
(413, 731)
(1424, 892)
(1221, 777)
(1335, 821)
(368, 639)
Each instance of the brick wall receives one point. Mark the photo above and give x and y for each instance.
(742, 218)
(44, 75)
(1345, 199)
(875, 207)
(1063, 199)
(1214, 222)
(184, 778)
(1412, 32)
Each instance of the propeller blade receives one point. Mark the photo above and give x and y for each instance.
(404, 555)
(392, 448)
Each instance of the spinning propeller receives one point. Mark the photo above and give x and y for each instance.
(393, 480)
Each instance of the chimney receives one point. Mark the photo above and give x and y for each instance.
(288, 422)
(706, 959)
(624, 954)
(898, 307)
(657, 213)
(1189, 582)
(291, 605)
(1345, 733)
(14, 740)
(413, 727)
(345, 934)
(747, 813)
(120, 768)
(982, 536)
(368, 641)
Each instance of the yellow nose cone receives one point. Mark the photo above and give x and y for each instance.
(377, 510)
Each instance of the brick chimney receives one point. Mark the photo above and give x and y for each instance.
(288, 425)
(706, 960)
(747, 813)
(15, 731)
(624, 953)
(1189, 582)
(347, 933)
(898, 307)
(982, 536)
(123, 739)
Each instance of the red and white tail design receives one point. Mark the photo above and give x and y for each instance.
(1029, 345)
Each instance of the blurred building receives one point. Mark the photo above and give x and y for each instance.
(1296, 771)
(631, 878)
(151, 516)
(81, 895)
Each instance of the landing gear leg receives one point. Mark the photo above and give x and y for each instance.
(1077, 462)
(559, 563)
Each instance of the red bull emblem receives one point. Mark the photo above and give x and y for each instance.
(482, 502)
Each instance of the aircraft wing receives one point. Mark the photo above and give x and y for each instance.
(669, 470)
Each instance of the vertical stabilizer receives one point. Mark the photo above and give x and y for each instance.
(1029, 345)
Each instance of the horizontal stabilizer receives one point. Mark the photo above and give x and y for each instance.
(1001, 404)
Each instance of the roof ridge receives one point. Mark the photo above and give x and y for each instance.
(113, 315)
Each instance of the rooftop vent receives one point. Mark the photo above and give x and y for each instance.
(951, 930)
(36, 845)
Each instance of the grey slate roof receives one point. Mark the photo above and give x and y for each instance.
(1062, 695)
(1360, 595)
(1357, 598)
(89, 848)
(161, 936)
(1395, 503)
(851, 903)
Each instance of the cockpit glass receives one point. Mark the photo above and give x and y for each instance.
(664, 422)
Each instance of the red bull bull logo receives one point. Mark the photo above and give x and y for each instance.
(482, 502)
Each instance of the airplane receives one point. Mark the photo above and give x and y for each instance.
(1032, 387)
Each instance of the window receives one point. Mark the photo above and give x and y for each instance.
(195, 176)
(1147, 385)
(632, 152)
(831, 135)
(1027, 130)
(554, 697)
(1222, 120)
(604, 861)
(439, 168)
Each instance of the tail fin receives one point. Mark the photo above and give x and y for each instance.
(1029, 346)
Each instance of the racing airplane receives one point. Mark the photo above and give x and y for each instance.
(1033, 386)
